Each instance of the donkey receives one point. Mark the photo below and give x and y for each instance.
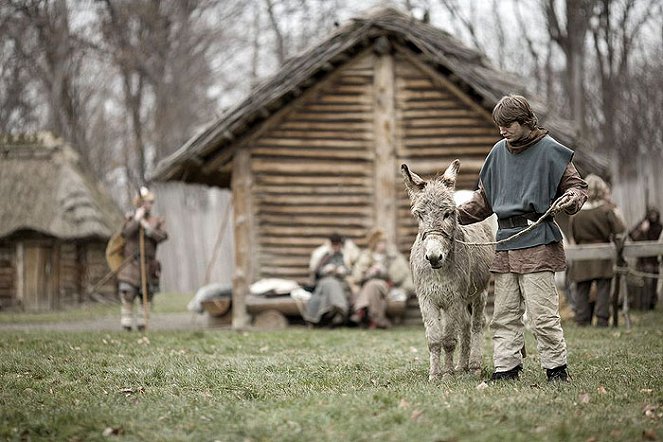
(450, 278)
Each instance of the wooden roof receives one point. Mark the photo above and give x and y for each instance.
(45, 190)
(468, 69)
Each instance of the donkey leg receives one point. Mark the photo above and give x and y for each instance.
(464, 323)
(478, 324)
(431, 316)
(449, 340)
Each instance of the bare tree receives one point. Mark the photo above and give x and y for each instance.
(570, 34)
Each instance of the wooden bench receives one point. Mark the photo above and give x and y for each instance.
(276, 312)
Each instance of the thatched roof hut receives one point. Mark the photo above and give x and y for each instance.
(54, 224)
(317, 146)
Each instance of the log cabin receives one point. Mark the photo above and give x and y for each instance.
(55, 221)
(317, 147)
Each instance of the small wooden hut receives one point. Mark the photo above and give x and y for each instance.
(317, 147)
(54, 224)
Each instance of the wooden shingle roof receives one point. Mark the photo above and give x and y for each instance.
(467, 68)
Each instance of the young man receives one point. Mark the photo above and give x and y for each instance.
(522, 176)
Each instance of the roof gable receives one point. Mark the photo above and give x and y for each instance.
(467, 68)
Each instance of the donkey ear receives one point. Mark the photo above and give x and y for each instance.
(449, 176)
(413, 182)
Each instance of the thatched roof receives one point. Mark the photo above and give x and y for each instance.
(468, 69)
(45, 190)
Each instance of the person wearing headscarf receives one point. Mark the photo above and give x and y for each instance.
(381, 270)
(598, 221)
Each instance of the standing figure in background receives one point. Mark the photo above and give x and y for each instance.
(330, 266)
(596, 222)
(381, 271)
(140, 222)
(649, 229)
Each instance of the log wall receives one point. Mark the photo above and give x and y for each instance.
(313, 173)
(436, 126)
(324, 165)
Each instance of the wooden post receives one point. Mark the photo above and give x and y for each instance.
(241, 184)
(385, 145)
(20, 272)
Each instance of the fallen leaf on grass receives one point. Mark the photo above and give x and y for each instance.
(264, 349)
(646, 390)
(650, 411)
(616, 433)
(113, 431)
(128, 391)
(413, 350)
(649, 434)
(601, 389)
(482, 386)
(403, 404)
(416, 414)
(584, 398)
(143, 341)
(592, 439)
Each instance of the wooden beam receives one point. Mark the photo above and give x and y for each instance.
(638, 249)
(241, 185)
(385, 145)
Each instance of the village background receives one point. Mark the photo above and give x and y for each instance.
(126, 83)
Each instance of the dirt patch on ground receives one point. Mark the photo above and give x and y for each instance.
(158, 321)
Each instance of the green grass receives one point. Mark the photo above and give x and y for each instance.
(164, 303)
(327, 385)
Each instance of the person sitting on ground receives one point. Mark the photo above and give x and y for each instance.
(381, 270)
(598, 221)
(330, 266)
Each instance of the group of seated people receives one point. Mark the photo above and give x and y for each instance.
(353, 287)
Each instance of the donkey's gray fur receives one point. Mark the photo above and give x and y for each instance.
(450, 278)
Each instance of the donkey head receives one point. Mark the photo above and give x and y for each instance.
(432, 203)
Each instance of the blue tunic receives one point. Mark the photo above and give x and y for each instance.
(525, 182)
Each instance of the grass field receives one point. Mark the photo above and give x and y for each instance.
(322, 385)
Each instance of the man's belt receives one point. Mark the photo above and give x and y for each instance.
(519, 220)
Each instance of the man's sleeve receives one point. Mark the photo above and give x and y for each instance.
(572, 184)
(476, 209)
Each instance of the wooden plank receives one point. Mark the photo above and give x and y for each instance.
(451, 141)
(299, 142)
(639, 249)
(452, 131)
(443, 121)
(330, 211)
(337, 117)
(294, 167)
(435, 151)
(436, 113)
(320, 220)
(309, 242)
(313, 190)
(303, 231)
(345, 154)
(322, 200)
(325, 125)
(311, 180)
(309, 133)
(385, 146)
(334, 108)
(242, 181)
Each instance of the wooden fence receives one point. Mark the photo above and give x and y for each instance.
(624, 254)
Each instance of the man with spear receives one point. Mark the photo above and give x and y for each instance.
(139, 278)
